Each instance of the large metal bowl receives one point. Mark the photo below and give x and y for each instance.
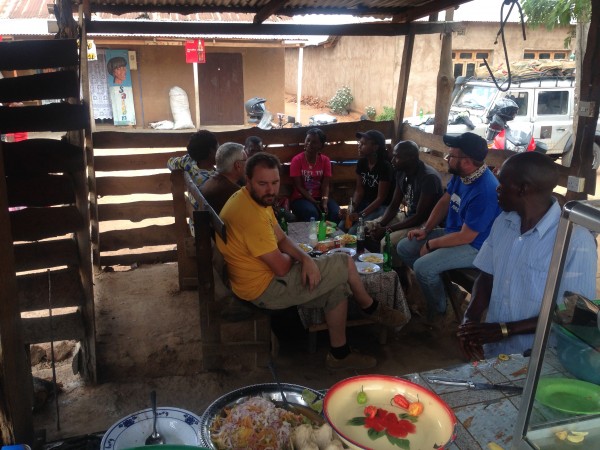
(293, 394)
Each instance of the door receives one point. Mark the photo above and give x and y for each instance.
(553, 117)
(221, 89)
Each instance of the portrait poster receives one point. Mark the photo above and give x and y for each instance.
(119, 87)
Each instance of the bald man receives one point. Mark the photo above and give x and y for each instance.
(515, 259)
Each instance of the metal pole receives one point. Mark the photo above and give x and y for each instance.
(52, 351)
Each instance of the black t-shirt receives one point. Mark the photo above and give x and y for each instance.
(381, 171)
(427, 180)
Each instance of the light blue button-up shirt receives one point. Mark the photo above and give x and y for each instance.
(519, 264)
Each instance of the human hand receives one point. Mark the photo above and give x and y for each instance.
(418, 234)
(377, 231)
(481, 333)
(353, 217)
(471, 351)
(311, 276)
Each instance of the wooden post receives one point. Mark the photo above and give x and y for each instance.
(445, 81)
(407, 52)
(16, 387)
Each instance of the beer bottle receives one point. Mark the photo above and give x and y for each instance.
(322, 231)
(387, 253)
(348, 221)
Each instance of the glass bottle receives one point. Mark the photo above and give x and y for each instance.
(282, 222)
(360, 236)
(387, 253)
(322, 231)
(312, 232)
(348, 221)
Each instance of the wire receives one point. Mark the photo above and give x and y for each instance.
(503, 21)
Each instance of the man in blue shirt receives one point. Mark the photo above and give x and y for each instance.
(469, 206)
(515, 260)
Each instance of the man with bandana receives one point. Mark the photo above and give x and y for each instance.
(469, 206)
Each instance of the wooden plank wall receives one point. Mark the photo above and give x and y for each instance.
(133, 184)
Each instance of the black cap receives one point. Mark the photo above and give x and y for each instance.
(375, 136)
(471, 144)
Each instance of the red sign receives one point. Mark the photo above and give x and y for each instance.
(194, 51)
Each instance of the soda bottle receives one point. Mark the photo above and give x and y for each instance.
(322, 231)
(348, 221)
(282, 222)
(312, 232)
(360, 236)
(387, 253)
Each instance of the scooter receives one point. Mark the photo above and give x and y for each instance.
(257, 113)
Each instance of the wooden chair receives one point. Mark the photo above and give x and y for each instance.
(465, 278)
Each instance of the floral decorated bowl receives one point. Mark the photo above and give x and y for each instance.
(389, 418)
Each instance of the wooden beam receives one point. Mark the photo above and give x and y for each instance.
(41, 86)
(445, 82)
(407, 56)
(39, 54)
(239, 29)
(268, 10)
(429, 8)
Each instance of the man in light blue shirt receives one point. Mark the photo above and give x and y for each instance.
(515, 260)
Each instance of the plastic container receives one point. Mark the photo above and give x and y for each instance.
(577, 357)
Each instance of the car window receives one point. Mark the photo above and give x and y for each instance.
(520, 99)
(553, 103)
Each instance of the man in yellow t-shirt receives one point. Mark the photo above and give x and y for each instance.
(268, 269)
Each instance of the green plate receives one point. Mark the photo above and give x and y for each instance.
(569, 395)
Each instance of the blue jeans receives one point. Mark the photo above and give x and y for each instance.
(428, 268)
(304, 210)
(372, 216)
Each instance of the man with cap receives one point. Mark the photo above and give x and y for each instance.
(469, 206)
(374, 179)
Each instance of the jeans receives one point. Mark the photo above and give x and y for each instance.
(372, 216)
(304, 210)
(428, 268)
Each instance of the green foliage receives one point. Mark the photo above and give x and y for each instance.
(387, 114)
(371, 112)
(340, 102)
(557, 13)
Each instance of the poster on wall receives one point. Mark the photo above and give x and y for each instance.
(119, 87)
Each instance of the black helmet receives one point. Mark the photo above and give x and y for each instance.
(506, 108)
(255, 108)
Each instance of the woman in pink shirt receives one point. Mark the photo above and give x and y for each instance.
(311, 174)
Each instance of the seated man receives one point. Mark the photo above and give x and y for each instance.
(515, 260)
(229, 176)
(267, 268)
(253, 145)
(198, 161)
(469, 206)
(418, 186)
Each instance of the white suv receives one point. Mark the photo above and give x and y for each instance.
(545, 107)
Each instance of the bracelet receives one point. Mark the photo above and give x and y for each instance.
(324, 198)
(427, 246)
(424, 228)
(504, 329)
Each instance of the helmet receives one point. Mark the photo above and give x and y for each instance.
(255, 108)
(506, 108)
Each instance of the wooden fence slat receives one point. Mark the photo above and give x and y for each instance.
(135, 211)
(32, 289)
(52, 117)
(50, 156)
(41, 86)
(39, 54)
(137, 237)
(33, 224)
(64, 327)
(47, 254)
(139, 258)
(133, 161)
(45, 190)
(149, 184)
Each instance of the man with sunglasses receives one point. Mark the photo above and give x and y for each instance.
(469, 206)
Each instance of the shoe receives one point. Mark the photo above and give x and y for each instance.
(353, 361)
(387, 316)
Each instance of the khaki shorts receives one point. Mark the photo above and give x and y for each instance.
(288, 290)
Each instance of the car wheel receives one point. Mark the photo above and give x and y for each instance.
(568, 154)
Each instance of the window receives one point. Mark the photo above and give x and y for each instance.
(520, 98)
(544, 54)
(465, 62)
(553, 103)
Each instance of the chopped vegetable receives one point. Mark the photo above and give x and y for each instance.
(503, 357)
(370, 411)
(575, 438)
(361, 397)
(415, 409)
(561, 435)
(401, 401)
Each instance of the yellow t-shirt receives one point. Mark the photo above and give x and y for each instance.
(250, 234)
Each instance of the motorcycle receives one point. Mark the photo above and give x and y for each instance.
(501, 136)
(257, 113)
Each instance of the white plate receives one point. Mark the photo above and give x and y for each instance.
(177, 426)
(349, 251)
(307, 248)
(367, 267)
(375, 258)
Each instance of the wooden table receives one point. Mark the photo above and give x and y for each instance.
(382, 286)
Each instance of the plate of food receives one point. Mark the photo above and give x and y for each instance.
(176, 426)
(330, 230)
(348, 251)
(247, 416)
(388, 413)
(348, 239)
(307, 248)
(367, 267)
(376, 258)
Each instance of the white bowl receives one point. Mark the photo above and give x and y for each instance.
(434, 428)
(375, 258)
(349, 251)
(177, 426)
(367, 267)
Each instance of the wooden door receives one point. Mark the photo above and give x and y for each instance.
(221, 86)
